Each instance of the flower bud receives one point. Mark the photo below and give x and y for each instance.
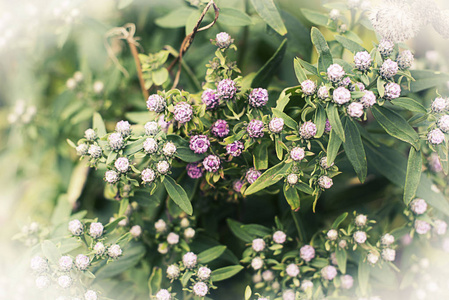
(136, 231)
(210, 98)
(122, 164)
(387, 239)
(98, 87)
(82, 262)
(156, 103)
(422, 227)
(258, 97)
(439, 105)
(252, 175)
(182, 112)
(308, 87)
(292, 270)
(95, 151)
(200, 289)
(65, 263)
(220, 128)
(123, 127)
(359, 237)
(388, 69)
(162, 248)
(189, 233)
(255, 129)
(388, 254)
(341, 95)
(418, 206)
(237, 186)
(169, 149)
(288, 295)
(361, 220)
(355, 110)
(372, 258)
(223, 40)
(369, 99)
(82, 149)
(334, 14)
(342, 244)
(307, 130)
(194, 171)
(268, 275)
(151, 128)
(39, 264)
(111, 176)
(332, 235)
(90, 134)
(385, 47)
(443, 123)
(362, 61)
(203, 273)
(335, 73)
(235, 149)
(346, 281)
(279, 237)
(76, 227)
(256, 263)
(405, 59)
(297, 154)
(65, 281)
(307, 285)
(115, 141)
(172, 238)
(163, 167)
(323, 93)
(189, 260)
(323, 163)
(199, 144)
(392, 91)
(96, 230)
(90, 295)
(99, 248)
(173, 272)
(440, 227)
(226, 89)
(357, 86)
(292, 179)
(160, 226)
(258, 245)
(42, 282)
(148, 175)
(325, 182)
(150, 145)
(211, 163)
(328, 272)
(307, 253)
(114, 251)
(163, 294)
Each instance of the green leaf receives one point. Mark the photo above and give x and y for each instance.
(211, 254)
(381, 87)
(134, 147)
(325, 59)
(98, 125)
(320, 120)
(248, 293)
(112, 225)
(225, 273)
(268, 178)
(62, 211)
(354, 149)
(266, 73)
(339, 220)
(289, 122)
(349, 44)
(315, 17)
(409, 104)
(155, 281)
(425, 79)
(51, 252)
(159, 76)
(334, 120)
(298, 35)
(413, 177)
(178, 195)
(268, 12)
(260, 156)
(363, 274)
(234, 17)
(124, 3)
(292, 197)
(333, 147)
(256, 230)
(188, 155)
(395, 125)
(341, 257)
(175, 19)
(238, 230)
(443, 155)
(299, 71)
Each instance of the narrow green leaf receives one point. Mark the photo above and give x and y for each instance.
(320, 120)
(260, 156)
(175, 19)
(355, 152)
(292, 197)
(155, 281)
(315, 17)
(325, 59)
(248, 293)
(98, 125)
(342, 257)
(289, 121)
(443, 155)
(268, 178)
(299, 71)
(333, 147)
(225, 273)
(178, 195)
(134, 147)
(363, 274)
(268, 70)
(409, 104)
(51, 252)
(334, 120)
(425, 79)
(349, 44)
(413, 177)
(395, 125)
(238, 230)
(233, 17)
(380, 87)
(211, 254)
(256, 230)
(268, 12)
(339, 220)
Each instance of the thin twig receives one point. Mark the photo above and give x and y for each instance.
(187, 42)
(127, 33)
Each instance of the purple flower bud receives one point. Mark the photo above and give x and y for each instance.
(385, 47)
(114, 251)
(76, 227)
(357, 86)
(323, 163)
(369, 99)
(237, 185)
(422, 227)
(405, 59)
(267, 275)
(327, 126)
(235, 149)
(387, 239)
(346, 281)
(183, 112)
(325, 182)
(95, 151)
(297, 154)
(156, 103)
(258, 97)
(223, 40)
(434, 163)
(307, 130)
(392, 91)
(255, 129)
(279, 237)
(276, 125)
(308, 87)
(150, 145)
(443, 123)
(440, 227)
(439, 105)
(335, 73)
(389, 69)
(210, 98)
(355, 110)
(323, 93)
(418, 206)
(220, 128)
(252, 175)
(122, 164)
(345, 82)
(148, 175)
(199, 144)
(328, 272)
(388, 254)
(360, 237)
(194, 171)
(307, 253)
(226, 89)
(115, 141)
(341, 95)
(362, 60)
(82, 262)
(435, 136)
(211, 163)
(96, 230)
(123, 127)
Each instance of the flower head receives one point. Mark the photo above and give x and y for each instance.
(418, 206)
(332, 235)
(276, 125)
(163, 294)
(361, 220)
(292, 270)
(439, 104)
(372, 258)
(96, 230)
(237, 186)
(440, 227)
(388, 254)
(123, 127)
(392, 91)
(389, 69)
(223, 40)
(369, 99)
(163, 167)
(82, 262)
(90, 134)
(443, 123)
(182, 112)
(226, 89)
(173, 238)
(114, 251)
(307, 130)
(39, 264)
(173, 271)
(257, 263)
(297, 154)
(199, 144)
(99, 248)
(323, 92)
(122, 164)
(160, 226)
(189, 260)
(308, 87)
(194, 170)
(292, 179)
(362, 60)
(328, 272)
(252, 175)
(325, 182)
(258, 97)
(355, 110)
(115, 141)
(111, 176)
(220, 128)
(65, 263)
(82, 149)
(65, 281)
(211, 163)
(307, 253)
(169, 149)
(385, 47)
(76, 227)
(136, 231)
(189, 233)
(95, 151)
(405, 59)
(200, 289)
(255, 128)
(210, 98)
(203, 273)
(387, 239)
(346, 281)
(148, 175)
(42, 282)
(235, 148)
(258, 245)
(335, 73)
(156, 103)
(359, 237)
(422, 227)
(151, 128)
(341, 95)
(279, 237)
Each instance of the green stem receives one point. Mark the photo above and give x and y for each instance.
(298, 224)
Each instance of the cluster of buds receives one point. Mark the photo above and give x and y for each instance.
(419, 215)
(168, 235)
(438, 130)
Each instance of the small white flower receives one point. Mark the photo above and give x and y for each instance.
(440, 227)
(162, 248)
(189, 260)
(90, 134)
(169, 149)
(98, 87)
(332, 235)
(76, 227)
(42, 282)
(307, 285)
(346, 281)
(422, 227)
(334, 14)
(172, 238)
(418, 206)
(148, 175)
(163, 294)
(361, 220)
(372, 258)
(163, 166)
(82, 262)
(99, 248)
(173, 271)
(360, 237)
(95, 151)
(114, 251)
(355, 110)
(443, 123)
(96, 230)
(362, 60)
(39, 264)
(160, 226)
(297, 154)
(288, 295)
(122, 164)
(369, 99)
(292, 270)
(387, 239)
(65, 263)
(258, 245)
(189, 233)
(323, 93)
(342, 244)
(257, 263)
(439, 105)
(203, 273)
(111, 176)
(82, 149)
(325, 182)
(71, 84)
(151, 128)
(388, 254)
(279, 237)
(292, 179)
(341, 95)
(435, 136)
(90, 295)
(308, 87)
(135, 231)
(65, 281)
(307, 253)
(150, 146)
(276, 125)
(323, 163)
(123, 127)
(200, 289)
(335, 73)
(185, 223)
(268, 275)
